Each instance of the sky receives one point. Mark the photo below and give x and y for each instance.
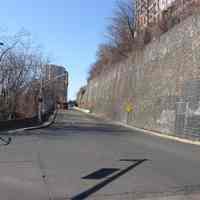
(68, 31)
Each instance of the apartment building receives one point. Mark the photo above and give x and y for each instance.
(150, 12)
(57, 77)
(54, 91)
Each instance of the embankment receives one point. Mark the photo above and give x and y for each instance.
(161, 83)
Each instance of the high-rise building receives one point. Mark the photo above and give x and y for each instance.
(57, 77)
(151, 11)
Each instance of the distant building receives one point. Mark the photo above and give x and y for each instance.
(54, 91)
(151, 11)
(27, 101)
(57, 77)
(80, 96)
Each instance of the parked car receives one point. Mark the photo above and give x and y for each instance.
(72, 104)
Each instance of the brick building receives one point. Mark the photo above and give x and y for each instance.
(56, 77)
(27, 101)
(149, 12)
(54, 91)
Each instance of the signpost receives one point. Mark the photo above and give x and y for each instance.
(129, 110)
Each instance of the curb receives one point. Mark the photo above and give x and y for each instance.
(44, 125)
(82, 110)
(149, 132)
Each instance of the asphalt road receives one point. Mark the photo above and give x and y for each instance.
(54, 163)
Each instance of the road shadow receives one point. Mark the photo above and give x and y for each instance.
(99, 186)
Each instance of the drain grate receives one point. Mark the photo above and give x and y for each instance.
(101, 173)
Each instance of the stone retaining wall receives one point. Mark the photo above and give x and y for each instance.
(161, 83)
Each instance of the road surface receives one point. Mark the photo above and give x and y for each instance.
(60, 162)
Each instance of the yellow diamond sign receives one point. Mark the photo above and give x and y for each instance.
(129, 108)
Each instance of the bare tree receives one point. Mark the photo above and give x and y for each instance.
(121, 31)
(121, 37)
(20, 65)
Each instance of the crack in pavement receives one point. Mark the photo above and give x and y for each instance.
(44, 175)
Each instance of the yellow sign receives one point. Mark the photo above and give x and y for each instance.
(129, 108)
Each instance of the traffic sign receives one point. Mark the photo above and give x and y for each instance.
(129, 108)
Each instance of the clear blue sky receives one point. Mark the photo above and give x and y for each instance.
(68, 30)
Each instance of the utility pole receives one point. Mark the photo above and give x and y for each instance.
(5, 142)
(1, 56)
(40, 99)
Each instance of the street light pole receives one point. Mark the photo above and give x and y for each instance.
(5, 142)
(40, 103)
(1, 56)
